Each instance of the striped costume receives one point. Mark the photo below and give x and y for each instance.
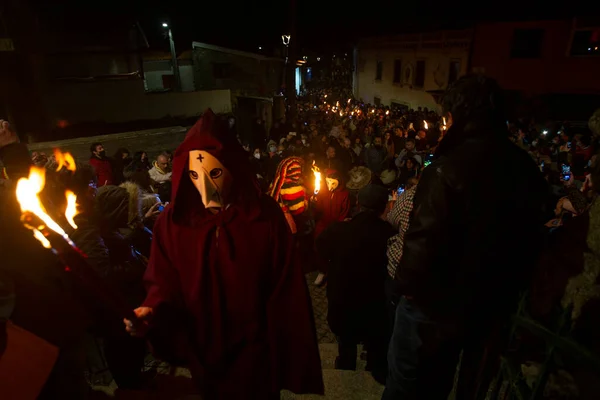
(287, 188)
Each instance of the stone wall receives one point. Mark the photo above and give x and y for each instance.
(116, 101)
(152, 141)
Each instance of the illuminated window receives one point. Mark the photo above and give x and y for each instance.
(586, 43)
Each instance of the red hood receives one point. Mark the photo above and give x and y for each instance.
(212, 135)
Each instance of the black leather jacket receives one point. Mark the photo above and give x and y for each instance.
(476, 225)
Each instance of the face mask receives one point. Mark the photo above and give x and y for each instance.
(332, 184)
(257, 156)
(378, 146)
(303, 141)
(212, 180)
(102, 153)
(273, 149)
(534, 143)
(280, 152)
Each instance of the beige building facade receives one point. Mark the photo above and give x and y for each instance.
(410, 70)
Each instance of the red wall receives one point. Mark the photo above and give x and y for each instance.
(554, 72)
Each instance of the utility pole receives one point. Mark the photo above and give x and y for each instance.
(291, 65)
(174, 63)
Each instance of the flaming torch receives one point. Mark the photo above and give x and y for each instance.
(52, 236)
(425, 125)
(317, 173)
(444, 127)
(65, 160)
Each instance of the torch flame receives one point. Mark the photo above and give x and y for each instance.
(64, 160)
(317, 173)
(28, 190)
(349, 100)
(425, 124)
(444, 121)
(71, 210)
(387, 112)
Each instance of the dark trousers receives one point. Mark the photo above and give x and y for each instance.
(366, 324)
(125, 358)
(422, 357)
(393, 298)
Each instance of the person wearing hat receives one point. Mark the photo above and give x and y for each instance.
(356, 254)
(359, 178)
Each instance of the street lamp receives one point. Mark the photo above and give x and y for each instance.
(173, 58)
(286, 40)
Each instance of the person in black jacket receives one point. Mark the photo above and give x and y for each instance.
(356, 254)
(40, 296)
(469, 250)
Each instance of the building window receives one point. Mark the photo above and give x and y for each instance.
(454, 71)
(397, 71)
(420, 74)
(221, 70)
(379, 70)
(527, 43)
(377, 101)
(585, 43)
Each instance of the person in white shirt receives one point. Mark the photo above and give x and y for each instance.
(160, 171)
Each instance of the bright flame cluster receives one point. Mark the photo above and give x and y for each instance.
(65, 160)
(28, 190)
(317, 174)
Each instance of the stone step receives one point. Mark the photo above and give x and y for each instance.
(329, 352)
(339, 384)
(343, 385)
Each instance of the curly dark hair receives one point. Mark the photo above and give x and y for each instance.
(474, 96)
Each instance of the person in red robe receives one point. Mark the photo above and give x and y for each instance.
(221, 284)
(332, 205)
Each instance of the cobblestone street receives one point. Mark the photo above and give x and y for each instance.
(319, 303)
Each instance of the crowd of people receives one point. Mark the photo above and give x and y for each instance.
(425, 226)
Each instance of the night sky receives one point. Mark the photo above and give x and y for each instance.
(321, 26)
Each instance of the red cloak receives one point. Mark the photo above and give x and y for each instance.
(251, 326)
(332, 207)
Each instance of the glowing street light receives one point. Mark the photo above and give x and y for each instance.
(174, 63)
(286, 39)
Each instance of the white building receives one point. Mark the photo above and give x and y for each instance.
(158, 72)
(410, 70)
